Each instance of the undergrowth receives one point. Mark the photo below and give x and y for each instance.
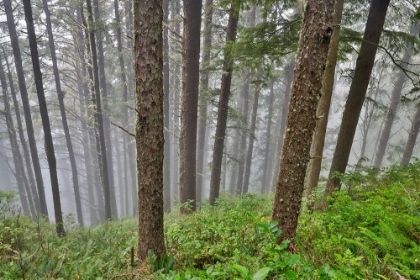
(370, 231)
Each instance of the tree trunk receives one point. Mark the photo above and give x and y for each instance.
(167, 117)
(363, 70)
(251, 143)
(105, 111)
(31, 179)
(289, 74)
(412, 137)
(98, 117)
(190, 82)
(25, 196)
(243, 135)
(223, 103)
(392, 110)
(264, 184)
(301, 119)
(49, 145)
(125, 101)
(204, 87)
(148, 50)
(26, 107)
(60, 95)
(323, 109)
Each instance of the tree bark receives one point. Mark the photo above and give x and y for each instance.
(243, 135)
(223, 103)
(202, 103)
(190, 82)
(363, 70)
(26, 107)
(49, 145)
(324, 103)
(148, 50)
(316, 30)
(289, 74)
(60, 95)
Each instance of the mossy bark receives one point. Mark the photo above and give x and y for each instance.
(148, 63)
(301, 120)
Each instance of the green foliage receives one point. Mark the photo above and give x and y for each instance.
(370, 231)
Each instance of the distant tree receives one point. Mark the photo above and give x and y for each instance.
(190, 82)
(148, 50)
(26, 106)
(219, 137)
(362, 72)
(204, 87)
(412, 137)
(395, 98)
(49, 145)
(60, 95)
(316, 31)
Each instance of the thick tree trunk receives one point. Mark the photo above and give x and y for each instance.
(392, 110)
(26, 107)
(49, 145)
(190, 82)
(98, 117)
(264, 184)
(204, 87)
(324, 103)
(148, 50)
(251, 143)
(234, 164)
(60, 95)
(363, 70)
(223, 104)
(316, 30)
(412, 137)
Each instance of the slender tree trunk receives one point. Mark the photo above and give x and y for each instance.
(243, 135)
(264, 184)
(105, 110)
(223, 103)
(60, 95)
(202, 103)
(190, 83)
(363, 70)
(392, 110)
(26, 107)
(412, 137)
(148, 49)
(251, 143)
(324, 103)
(17, 158)
(167, 153)
(49, 145)
(289, 74)
(23, 142)
(301, 119)
(98, 118)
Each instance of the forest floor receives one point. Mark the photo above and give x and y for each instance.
(370, 231)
